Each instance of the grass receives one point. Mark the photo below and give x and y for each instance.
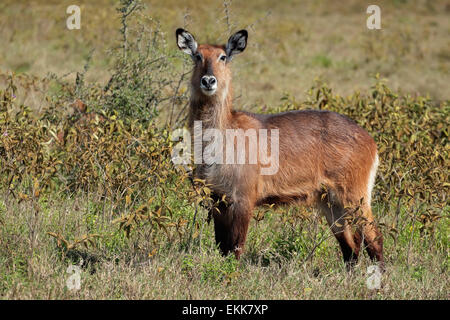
(273, 267)
(287, 42)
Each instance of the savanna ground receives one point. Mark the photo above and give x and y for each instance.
(97, 188)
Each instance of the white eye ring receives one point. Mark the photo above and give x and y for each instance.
(223, 57)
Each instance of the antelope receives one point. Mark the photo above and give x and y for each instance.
(325, 159)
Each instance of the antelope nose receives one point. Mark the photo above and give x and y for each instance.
(209, 82)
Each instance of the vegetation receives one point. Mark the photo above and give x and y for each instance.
(86, 178)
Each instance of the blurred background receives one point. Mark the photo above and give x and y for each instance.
(291, 43)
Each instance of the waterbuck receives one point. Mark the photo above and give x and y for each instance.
(324, 159)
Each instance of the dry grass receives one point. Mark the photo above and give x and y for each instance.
(120, 268)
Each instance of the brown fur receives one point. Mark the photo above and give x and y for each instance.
(325, 161)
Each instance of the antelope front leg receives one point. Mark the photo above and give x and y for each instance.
(239, 229)
(231, 226)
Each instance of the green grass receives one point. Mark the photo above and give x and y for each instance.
(322, 61)
(273, 266)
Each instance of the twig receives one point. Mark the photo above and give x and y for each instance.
(177, 120)
(186, 18)
(252, 25)
(192, 228)
(226, 5)
(410, 238)
(175, 95)
(125, 13)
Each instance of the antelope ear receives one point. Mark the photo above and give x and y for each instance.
(186, 42)
(237, 43)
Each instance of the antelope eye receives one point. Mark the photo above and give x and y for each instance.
(198, 57)
(223, 57)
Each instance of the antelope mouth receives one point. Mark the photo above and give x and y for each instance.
(209, 91)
